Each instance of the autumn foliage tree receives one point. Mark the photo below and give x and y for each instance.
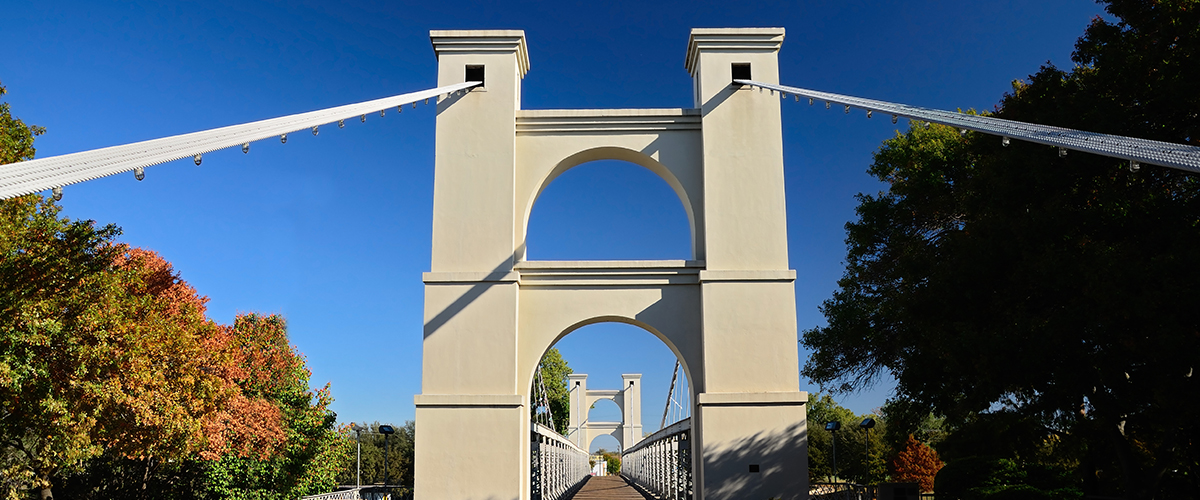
(916, 463)
(115, 383)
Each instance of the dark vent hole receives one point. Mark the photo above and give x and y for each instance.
(475, 73)
(753, 467)
(741, 71)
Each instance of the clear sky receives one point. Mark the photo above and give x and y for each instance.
(333, 231)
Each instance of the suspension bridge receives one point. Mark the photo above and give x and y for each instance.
(734, 423)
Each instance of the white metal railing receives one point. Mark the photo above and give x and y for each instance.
(53, 172)
(558, 468)
(1167, 154)
(662, 463)
(362, 493)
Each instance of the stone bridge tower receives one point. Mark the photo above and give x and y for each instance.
(728, 313)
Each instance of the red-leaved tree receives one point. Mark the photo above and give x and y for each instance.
(916, 463)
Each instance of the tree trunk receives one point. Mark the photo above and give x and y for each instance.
(46, 494)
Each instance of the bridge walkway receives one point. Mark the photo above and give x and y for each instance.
(609, 488)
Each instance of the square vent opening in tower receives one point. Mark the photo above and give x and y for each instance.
(475, 73)
(741, 71)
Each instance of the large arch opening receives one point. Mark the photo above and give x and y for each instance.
(610, 210)
(606, 349)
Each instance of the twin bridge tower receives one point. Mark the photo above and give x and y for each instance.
(728, 313)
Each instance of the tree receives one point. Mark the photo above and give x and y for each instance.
(102, 348)
(612, 460)
(994, 277)
(400, 458)
(279, 435)
(16, 138)
(857, 460)
(554, 371)
(112, 378)
(916, 463)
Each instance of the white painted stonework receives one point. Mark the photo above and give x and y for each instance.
(581, 429)
(728, 313)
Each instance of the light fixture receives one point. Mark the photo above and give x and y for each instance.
(315, 129)
(283, 138)
(1134, 166)
(797, 98)
(198, 159)
(833, 427)
(1062, 152)
(426, 101)
(414, 103)
(866, 426)
(826, 104)
(341, 123)
(387, 430)
(245, 148)
(895, 118)
(1004, 141)
(962, 131)
(400, 108)
(57, 193)
(381, 112)
(847, 109)
(139, 173)
(868, 113)
(363, 118)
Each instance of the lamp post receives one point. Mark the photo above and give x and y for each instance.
(833, 427)
(866, 426)
(358, 438)
(387, 430)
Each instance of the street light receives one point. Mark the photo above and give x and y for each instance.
(866, 426)
(358, 438)
(833, 427)
(387, 430)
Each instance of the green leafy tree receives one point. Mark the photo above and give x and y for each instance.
(400, 458)
(16, 138)
(858, 460)
(988, 277)
(554, 376)
(613, 459)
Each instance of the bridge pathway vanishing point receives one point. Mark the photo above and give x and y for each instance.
(609, 488)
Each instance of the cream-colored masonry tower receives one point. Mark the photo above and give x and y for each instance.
(581, 430)
(728, 314)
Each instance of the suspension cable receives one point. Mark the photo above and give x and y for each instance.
(53, 172)
(1167, 154)
(670, 396)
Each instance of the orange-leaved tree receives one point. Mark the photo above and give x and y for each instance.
(102, 349)
(916, 463)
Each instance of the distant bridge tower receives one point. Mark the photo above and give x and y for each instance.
(581, 430)
(728, 313)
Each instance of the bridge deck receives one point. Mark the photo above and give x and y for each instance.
(609, 488)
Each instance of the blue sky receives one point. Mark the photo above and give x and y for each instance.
(333, 231)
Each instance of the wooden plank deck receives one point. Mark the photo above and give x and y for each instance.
(608, 488)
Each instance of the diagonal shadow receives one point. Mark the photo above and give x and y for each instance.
(719, 98)
(493, 278)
